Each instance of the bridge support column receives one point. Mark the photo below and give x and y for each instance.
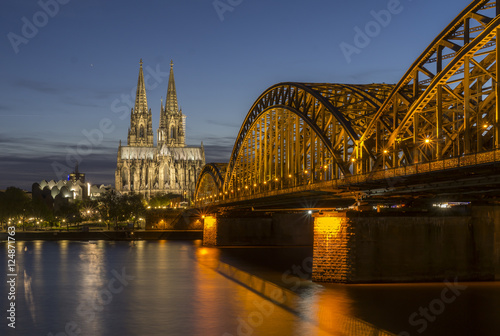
(358, 247)
(210, 230)
(333, 250)
(240, 228)
(490, 215)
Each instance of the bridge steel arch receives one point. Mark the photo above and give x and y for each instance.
(300, 133)
(446, 105)
(210, 182)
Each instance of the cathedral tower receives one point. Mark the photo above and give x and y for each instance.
(171, 166)
(172, 130)
(140, 133)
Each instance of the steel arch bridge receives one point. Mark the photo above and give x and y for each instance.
(443, 113)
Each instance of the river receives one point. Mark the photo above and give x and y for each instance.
(181, 288)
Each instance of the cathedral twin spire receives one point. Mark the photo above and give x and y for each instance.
(141, 102)
(172, 123)
(171, 104)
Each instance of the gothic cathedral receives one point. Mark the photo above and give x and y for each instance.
(168, 167)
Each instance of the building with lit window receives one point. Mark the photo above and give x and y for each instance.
(73, 188)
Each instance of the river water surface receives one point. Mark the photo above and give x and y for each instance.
(180, 288)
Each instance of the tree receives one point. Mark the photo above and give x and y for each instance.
(70, 212)
(133, 207)
(109, 207)
(42, 209)
(14, 204)
(4, 216)
(89, 209)
(162, 200)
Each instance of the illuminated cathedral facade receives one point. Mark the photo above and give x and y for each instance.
(167, 167)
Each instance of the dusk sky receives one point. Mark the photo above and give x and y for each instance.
(65, 72)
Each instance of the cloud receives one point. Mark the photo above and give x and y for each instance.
(37, 86)
(13, 144)
(218, 153)
(107, 94)
(28, 146)
(81, 102)
(88, 94)
(221, 123)
(25, 160)
(24, 171)
(217, 140)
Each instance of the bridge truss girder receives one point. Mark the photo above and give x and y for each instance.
(299, 134)
(210, 183)
(445, 106)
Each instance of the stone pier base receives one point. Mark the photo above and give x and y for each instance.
(258, 229)
(210, 231)
(356, 247)
(334, 244)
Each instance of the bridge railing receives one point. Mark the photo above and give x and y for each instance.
(467, 160)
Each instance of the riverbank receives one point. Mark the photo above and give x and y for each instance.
(106, 235)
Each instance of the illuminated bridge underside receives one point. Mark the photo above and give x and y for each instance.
(345, 139)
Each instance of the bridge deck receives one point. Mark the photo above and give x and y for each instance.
(469, 174)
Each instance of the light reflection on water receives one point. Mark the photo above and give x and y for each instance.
(90, 279)
(175, 291)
